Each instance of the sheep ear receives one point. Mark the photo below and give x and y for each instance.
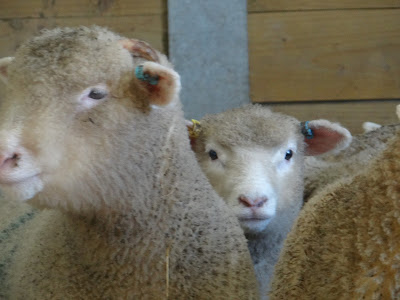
(139, 48)
(162, 84)
(4, 63)
(370, 126)
(322, 136)
(194, 129)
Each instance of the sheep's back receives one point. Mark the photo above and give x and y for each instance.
(345, 244)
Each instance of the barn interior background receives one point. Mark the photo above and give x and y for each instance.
(334, 59)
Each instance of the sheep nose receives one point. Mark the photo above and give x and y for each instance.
(256, 202)
(6, 159)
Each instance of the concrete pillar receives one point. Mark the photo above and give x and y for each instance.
(208, 46)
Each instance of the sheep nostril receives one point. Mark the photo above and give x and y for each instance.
(9, 159)
(245, 201)
(259, 202)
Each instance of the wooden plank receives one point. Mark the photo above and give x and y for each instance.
(349, 114)
(324, 55)
(16, 31)
(290, 5)
(75, 8)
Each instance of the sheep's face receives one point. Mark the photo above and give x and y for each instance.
(254, 181)
(38, 136)
(254, 158)
(71, 96)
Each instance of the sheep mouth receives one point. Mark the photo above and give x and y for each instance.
(16, 181)
(253, 218)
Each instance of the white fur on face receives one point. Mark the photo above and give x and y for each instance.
(19, 178)
(253, 173)
(22, 178)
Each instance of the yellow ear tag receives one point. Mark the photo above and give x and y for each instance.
(194, 131)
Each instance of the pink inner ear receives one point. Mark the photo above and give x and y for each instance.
(324, 140)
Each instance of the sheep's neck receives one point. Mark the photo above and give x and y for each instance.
(147, 212)
(265, 244)
(113, 237)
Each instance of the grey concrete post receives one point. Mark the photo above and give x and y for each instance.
(208, 46)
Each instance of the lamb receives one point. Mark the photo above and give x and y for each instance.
(345, 243)
(254, 158)
(92, 135)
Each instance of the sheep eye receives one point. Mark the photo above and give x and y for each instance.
(288, 154)
(97, 94)
(213, 155)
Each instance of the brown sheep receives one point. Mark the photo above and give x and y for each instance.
(345, 243)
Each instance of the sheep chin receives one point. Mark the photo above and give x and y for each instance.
(22, 190)
(254, 225)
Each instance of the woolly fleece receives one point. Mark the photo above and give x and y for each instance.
(323, 170)
(126, 211)
(256, 127)
(345, 243)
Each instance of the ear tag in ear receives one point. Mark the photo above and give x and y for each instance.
(194, 131)
(306, 131)
(145, 77)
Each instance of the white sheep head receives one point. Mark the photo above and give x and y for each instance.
(254, 159)
(73, 104)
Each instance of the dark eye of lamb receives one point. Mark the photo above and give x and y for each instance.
(97, 95)
(213, 154)
(288, 154)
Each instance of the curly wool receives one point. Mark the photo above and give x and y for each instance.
(326, 169)
(345, 243)
(121, 216)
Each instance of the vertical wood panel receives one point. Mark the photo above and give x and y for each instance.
(351, 114)
(16, 31)
(20, 19)
(287, 5)
(74, 8)
(325, 55)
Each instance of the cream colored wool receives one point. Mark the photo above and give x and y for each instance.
(126, 212)
(326, 169)
(251, 143)
(345, 243)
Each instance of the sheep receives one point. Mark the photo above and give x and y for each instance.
(105, 199)
(370, 126)
(326, 169)
(345, 242)
(253, 157)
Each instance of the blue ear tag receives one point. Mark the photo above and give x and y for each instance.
(145, 77)
(306, 131)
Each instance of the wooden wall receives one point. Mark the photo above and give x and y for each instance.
(21, 19)
(333, 59)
